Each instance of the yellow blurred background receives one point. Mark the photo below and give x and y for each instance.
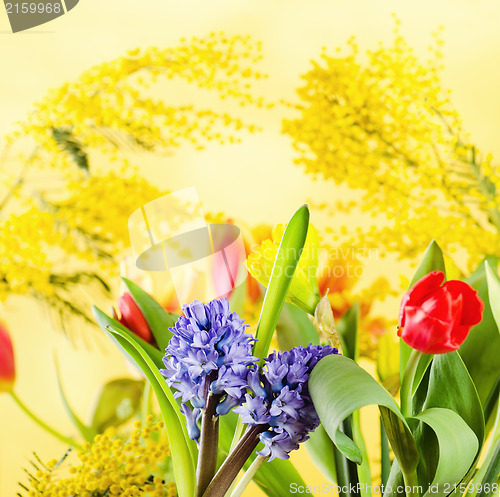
(245, 180)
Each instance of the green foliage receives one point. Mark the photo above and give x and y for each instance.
(285, 263)
(294, 328)
(184, 449)
(339, 387)
(158, 319)
(481, 349)
(119, 400)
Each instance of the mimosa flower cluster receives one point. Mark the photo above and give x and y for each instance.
(210, 354)
(112, 466)
(393, 132)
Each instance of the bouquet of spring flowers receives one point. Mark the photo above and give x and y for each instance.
(230, 405)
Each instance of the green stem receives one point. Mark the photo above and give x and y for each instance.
(146, 401)
(411, 484)
(363, 469)
(249, 474)
(238, 431)
(45, 426)
(385, 458)
(347, 471)
(407, 382)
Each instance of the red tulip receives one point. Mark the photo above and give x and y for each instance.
(7, 365)
(133, 319)
(435, 318)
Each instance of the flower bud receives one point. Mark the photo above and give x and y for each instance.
(325, 323)
(7, 364)
(133, 319)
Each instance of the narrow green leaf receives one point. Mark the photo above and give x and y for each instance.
(385, 455)
(87, 433)
(339, 387)
(276, 478)
(394, 481)
(481, 349)
(493, 292)
(347, 328)
(492, 473)
(103, 320)
(158, 319)
(347, 477)
(364, 471)
(183, 449)
(422, 366)
(285, 263)
(458, 446)
(433, 260)
(294, 328)
(320, 448)
(451, 387)
(447, 384)
(118, 401)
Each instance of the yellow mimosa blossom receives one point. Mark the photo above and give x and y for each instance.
(110, 465)
(381, 123)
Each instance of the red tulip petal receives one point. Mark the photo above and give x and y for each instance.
(459, 334)
(419, 291)
(7, 363)
(439, 305)
(133, 319)
(473, 306)
(426, 333)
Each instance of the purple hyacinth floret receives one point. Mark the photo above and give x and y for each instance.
(281, 399)
(209, 353)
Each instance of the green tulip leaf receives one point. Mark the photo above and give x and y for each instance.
(184, 452)
(284, 267)
(294, 328)
(451, 387)
(347, 328)
(320, 448)
(492, 473)
(433, 261)
(458, 446)
(275, 478)
(338, 388)
(422, 366)
(448, 385)
(481, 349)
(158, 319)
(119, 400)
(103, 320)
(493, 292)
